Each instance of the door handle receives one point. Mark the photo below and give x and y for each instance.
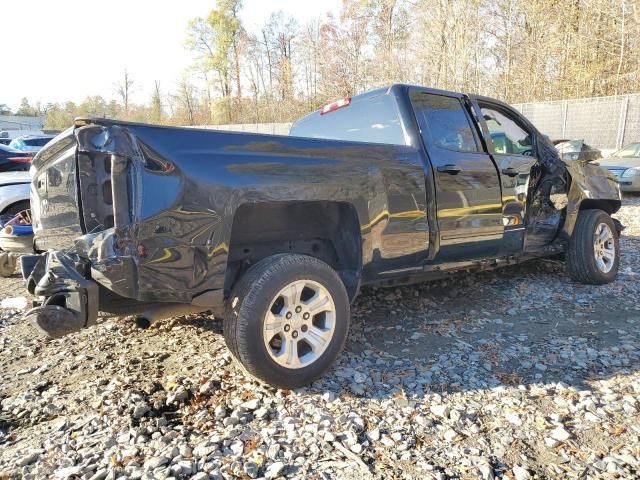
(510, 172)
(450, 169)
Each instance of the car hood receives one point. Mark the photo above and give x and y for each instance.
(14, 177)
(625, 162)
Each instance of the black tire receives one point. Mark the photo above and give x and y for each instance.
(581, 254)
(250, 301)
(17, 207)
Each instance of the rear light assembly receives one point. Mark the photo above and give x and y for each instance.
(344, 102)
(20, 159)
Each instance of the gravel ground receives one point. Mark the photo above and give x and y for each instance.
(517, 373)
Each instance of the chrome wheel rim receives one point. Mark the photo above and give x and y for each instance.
(604, 248)
(299, 324)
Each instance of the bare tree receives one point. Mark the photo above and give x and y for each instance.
(124, 88)
(517, 50)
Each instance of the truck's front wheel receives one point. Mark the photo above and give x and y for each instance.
(594, 253)
(287, 319)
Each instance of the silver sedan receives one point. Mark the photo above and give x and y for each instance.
(625, 165)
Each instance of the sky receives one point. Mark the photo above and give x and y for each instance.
(58, 50)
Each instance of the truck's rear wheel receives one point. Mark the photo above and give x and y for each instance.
(287, 319)
(594, 252)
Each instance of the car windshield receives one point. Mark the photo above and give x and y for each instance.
(570, 146)
(632, 150)
(17, 144)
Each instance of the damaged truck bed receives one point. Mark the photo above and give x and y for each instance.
(277, 233)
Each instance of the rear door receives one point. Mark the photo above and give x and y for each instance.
(512, 145)
(468, 197)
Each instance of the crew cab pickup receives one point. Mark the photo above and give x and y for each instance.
(276, 234)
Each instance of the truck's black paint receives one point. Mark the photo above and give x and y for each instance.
(175, 215)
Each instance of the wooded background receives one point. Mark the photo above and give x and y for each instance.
(515, 50)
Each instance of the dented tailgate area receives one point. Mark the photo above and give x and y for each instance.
(104, 251)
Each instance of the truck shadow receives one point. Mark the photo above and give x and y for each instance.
(528, 324)
(521, 325)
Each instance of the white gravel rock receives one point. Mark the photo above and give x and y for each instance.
(441, 411)
(521, 473)
(560, 434)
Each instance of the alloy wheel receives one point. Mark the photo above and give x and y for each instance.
(299, 324)
(604, 248)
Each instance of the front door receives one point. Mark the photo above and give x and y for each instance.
(512, 146)
(468, 197)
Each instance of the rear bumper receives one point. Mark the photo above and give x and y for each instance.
(70, 295)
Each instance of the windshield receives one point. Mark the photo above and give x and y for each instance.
(570, 146)
(17, 143)
(632, 150)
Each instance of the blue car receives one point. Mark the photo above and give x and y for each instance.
(12, 160)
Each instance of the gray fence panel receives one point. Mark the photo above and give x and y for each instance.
(632, 123)
(603, 122)
(266, 128)
(596, 121)
(547, 117)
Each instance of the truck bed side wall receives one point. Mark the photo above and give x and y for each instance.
(189, 185)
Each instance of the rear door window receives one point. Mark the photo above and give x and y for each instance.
(444, 121)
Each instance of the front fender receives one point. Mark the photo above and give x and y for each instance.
(591, 184)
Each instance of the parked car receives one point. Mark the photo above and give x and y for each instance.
(12, 160)
(276, 234)
(30, 143)
(577, 150)
(16, 238)
(625, 165)
(14, 192)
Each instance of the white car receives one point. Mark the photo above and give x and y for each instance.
(14, 192)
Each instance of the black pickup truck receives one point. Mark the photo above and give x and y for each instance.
(276, 234)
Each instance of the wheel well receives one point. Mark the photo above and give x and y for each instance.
(609, 206)
(329, 231)
(19, 202)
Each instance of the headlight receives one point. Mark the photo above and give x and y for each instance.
(630, 172)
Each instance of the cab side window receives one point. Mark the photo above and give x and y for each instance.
(444, 121)
(507, 136)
